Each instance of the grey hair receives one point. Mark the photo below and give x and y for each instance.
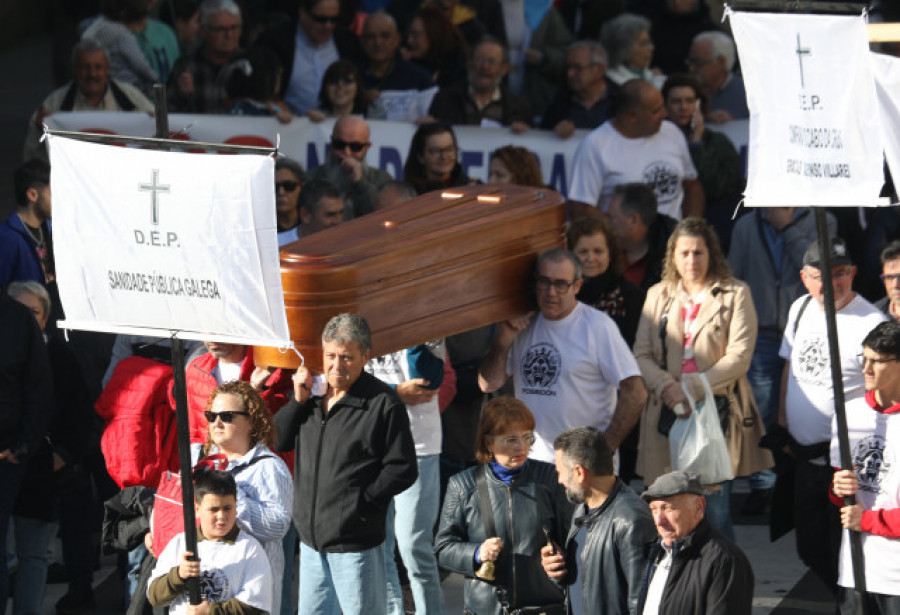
(586, 447)
(638, 198)
(347, 328)
(87, 45)
(596, 51)
(208, 8)
(17, 289)
(382, 14)
(618, 35)
(721, 44)
(557, 255)
(403, 190)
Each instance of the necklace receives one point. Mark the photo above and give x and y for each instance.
(39, 238)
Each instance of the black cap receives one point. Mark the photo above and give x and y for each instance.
(839, 254)
(673, 483)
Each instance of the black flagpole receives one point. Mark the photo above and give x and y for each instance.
(183, 430)
(840, 414)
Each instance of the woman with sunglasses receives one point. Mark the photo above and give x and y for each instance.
(341, 93)
(241, 428)
(289, 180)
(432, 163)
(526, 501)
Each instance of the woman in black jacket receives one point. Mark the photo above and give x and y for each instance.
(525, 501)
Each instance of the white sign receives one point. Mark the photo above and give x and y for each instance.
(815, 134)
(887, 84)
(158, 242)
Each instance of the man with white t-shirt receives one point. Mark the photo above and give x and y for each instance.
(567, 363)
(806, 405)
(636, 146)
(873, 426)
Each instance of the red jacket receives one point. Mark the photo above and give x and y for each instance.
(139, 441)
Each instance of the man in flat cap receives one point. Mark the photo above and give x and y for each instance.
(692, 568)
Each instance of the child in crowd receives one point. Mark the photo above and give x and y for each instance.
(232, 568)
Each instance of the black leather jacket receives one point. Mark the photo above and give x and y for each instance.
(612, 560)
(534, 499)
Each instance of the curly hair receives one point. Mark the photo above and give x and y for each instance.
(262, 428)
(719, 271)
(588, 227)
(499, 415)
(522, 163)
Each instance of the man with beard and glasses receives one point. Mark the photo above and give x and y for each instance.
(604, 552)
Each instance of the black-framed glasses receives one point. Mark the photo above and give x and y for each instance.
(512, 441)
(355, 146)
(287, 186)
(227, 416)
(544, 284)
(893, 277)
(324, 19)
(863, 359)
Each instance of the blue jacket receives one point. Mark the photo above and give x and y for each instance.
(19, 259)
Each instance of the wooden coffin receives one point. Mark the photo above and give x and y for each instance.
(439, 264)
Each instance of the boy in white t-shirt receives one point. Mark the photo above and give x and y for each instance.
(232, 567)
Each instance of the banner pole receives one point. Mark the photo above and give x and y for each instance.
(182, 424)
(856, 553)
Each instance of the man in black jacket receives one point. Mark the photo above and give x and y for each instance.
(604, 551)
(355, 452)
(692, 568)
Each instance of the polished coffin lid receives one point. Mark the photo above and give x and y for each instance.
(438, 264)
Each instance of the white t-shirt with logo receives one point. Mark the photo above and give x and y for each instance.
(810, 396)
(605, 159)
(568, 372)
(227, 570)
(874, 443)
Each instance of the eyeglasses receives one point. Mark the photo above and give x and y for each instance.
(227, 416)
(863, 359)
(513, 442)
(344, 80)
(287, 186)
(893, 277)
(355, 146)
(544, 284)
(324, 19)
(450, 150)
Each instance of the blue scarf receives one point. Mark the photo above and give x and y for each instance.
(505, 474)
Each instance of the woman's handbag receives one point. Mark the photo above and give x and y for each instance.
(696, 443)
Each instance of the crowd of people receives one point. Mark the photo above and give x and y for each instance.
(506, 454)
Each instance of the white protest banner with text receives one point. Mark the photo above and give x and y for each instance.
(168, 242)
(815, 134)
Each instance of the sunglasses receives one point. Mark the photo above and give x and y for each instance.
(323, 19)
(354, 146)
(286, 186)
(227, 416)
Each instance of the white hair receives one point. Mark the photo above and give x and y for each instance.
(721, 44)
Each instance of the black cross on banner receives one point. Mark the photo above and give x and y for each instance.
(154, 188)
(801, 51)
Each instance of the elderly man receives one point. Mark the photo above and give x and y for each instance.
(711, 59)
(198, 81)
(636, 146)
(604, 551)
(383, 69)
(91, 89)
(872, 424)
(347, 169)
(484, 100)
(570, 364)
(641, 230)
(806, 403)
(890, 275)
(306, 48)
(587, 99)
(355, 452)
(692, 567)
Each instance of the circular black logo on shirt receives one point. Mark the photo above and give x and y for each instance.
(214, 585)
(868, 457)
(664, 179)
(540, 366)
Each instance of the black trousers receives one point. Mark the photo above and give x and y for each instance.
(878, 604)
(817, 521)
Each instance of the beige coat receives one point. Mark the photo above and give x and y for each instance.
(724, 337)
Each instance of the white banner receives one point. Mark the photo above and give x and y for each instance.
(306, 141)
(167, 242)
(815, 134)
(887, 84)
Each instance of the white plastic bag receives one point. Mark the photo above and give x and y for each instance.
(696, 443)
